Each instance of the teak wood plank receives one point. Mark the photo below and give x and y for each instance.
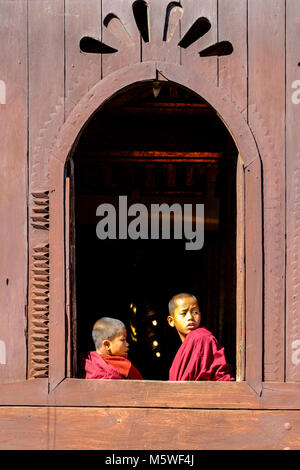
(284, 395)
(190, 57)
(266, 41)
(46, 116)
(253, 276)
(292, 192)
(28, 392)
(153, 394)
(57, 315)
(233, 69)
(46, 84)
(119, 31)
(13, 192)
(88, 428)
(159, 48)
(83, 69)
(24, 428)
(240, 271)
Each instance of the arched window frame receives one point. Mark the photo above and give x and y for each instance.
(250, 250)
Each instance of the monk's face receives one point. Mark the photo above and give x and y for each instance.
(118, 346)
(186, 316)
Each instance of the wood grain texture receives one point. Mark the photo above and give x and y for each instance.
(129, 428)
(253, 275)
(233, 69)
(46, 65)
(293, 194)
(13, 191)
(240, 271)
(277, 395)
(266, 39)
(151, 394)
(157, 48)
(46, 116)
(190, 57)
(154, 394)
(129, 51)
(82, 70)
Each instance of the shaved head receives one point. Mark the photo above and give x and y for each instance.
(176, 300)
(106, 328)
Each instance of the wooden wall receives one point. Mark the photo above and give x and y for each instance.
(44, 75)
(14, 187)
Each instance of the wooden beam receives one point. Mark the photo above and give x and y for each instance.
(88, 428)
(150, 155)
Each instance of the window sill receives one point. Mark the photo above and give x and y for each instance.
(151, 394)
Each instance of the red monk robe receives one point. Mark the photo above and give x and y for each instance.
(103, 366)
(200, 357)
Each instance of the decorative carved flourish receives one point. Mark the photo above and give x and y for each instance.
(39, 318)
(141, 14)
(40, 210)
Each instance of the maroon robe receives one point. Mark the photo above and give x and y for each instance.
(101, 366)
(200, 357)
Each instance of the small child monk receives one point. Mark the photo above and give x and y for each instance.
(200, 357)
(109, 360)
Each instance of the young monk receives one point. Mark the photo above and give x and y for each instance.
(109, 360)
(200, 357)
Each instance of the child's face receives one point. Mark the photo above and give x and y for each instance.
(186, 316)
(119, 346)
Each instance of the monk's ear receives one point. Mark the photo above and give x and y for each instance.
(106, 344)
(171, 320)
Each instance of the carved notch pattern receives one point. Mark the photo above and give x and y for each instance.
(40, 311)
(173, 15)
(40, 210)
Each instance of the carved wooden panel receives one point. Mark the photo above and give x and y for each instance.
(266, 39)
(40, 210)
(39, 312)
(39, 277)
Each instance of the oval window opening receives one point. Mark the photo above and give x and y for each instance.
(140, 150)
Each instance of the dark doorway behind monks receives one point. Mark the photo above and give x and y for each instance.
(155, 143)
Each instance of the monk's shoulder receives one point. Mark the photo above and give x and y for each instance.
(201, 335)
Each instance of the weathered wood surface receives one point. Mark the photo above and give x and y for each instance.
(13, 191)
(190, 57)
(82, 70)
(233, 69)
(60, 76)
(266, 42)
(130, 428)
(253, 276)
(293, 193)
(126, 40)
(240, 272)
(46, 115)
(157, 48)
(152, 394)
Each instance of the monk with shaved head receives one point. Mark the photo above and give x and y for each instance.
(200, 356)
(109, 360)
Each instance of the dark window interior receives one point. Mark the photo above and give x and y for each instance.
(169, 148)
